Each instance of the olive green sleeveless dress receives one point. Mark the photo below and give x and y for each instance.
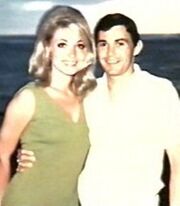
(60, 147)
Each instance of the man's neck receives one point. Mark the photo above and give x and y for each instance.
(118, 84)
(116, 81)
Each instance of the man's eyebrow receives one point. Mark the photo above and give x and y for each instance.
(116, 40)
(121, 39)
(101, 40)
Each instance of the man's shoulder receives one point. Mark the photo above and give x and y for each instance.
(154, 85)
(154, 81)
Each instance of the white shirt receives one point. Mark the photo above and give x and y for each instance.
(128, 138)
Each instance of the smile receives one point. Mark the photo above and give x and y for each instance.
(112, 61)
(70, 63)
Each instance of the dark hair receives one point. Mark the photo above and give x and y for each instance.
(110, 20)
(40, 62)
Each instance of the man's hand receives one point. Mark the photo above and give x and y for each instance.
(25, 160)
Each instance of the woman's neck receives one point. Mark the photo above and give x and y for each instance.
(59, 81)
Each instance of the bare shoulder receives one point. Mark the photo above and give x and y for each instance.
(18, 114)
(22, 105)
(24, 96)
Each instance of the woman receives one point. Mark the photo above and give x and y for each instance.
(47, 116)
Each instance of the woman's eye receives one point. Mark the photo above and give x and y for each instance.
(120, 43)
(81, 46)
(61, 45)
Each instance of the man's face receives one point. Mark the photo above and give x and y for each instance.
(115, 51)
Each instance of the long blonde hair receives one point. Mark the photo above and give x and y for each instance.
(40, 62)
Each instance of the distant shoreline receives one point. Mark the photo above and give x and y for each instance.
(144, 36)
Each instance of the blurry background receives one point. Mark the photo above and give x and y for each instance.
(158, 22)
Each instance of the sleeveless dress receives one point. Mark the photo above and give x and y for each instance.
(60, 147)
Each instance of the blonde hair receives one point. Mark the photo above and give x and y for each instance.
(40, 61)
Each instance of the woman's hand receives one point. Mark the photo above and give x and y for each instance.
(25, 160)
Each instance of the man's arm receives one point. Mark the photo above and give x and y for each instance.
(174, 184)
(25, 160)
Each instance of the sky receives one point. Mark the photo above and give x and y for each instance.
(151, 17)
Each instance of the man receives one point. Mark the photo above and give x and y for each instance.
(133, 119)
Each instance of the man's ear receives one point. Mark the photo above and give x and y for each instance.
(138, 47)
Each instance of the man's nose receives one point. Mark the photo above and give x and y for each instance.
(111, 50)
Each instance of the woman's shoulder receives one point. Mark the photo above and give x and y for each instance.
(24, 96)
(29, 86)
(22, 104)
(30, 89)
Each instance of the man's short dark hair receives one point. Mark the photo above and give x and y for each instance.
(116, 19)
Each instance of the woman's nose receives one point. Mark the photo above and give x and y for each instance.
(72, 52)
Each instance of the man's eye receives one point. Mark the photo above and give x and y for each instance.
(101, 44)
(61, 45)
(81, 46)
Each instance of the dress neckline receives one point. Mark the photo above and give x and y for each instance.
(61, 110)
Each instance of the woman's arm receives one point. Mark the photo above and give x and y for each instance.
(18, 114)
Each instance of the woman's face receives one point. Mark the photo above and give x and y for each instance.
(69, 50)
